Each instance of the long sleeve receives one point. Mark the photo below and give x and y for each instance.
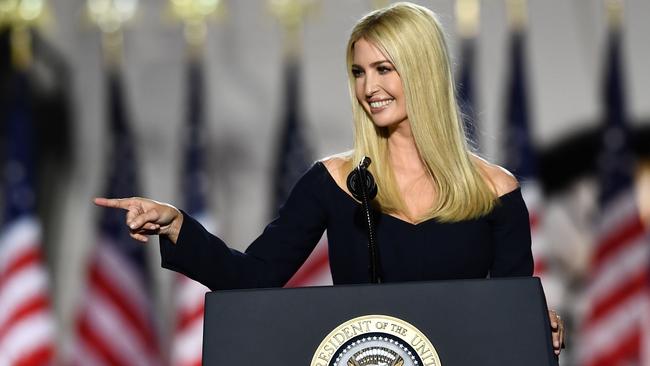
(269, 261)
(511, 237)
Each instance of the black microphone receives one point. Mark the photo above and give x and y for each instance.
(361, 178)
(363, 187)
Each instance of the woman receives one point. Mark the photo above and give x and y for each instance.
(442, 212)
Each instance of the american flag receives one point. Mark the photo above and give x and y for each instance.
(521, 159)
(618, 289)
(293, 159)
(294, 155)
(26, 320)
(189, 295)
(316, 269)
(115, 325)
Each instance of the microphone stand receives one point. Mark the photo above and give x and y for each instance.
(360, 190)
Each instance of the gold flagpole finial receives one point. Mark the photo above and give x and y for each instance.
(518, 14)
(291, 14)
(614, 12)
(110, 16)
(20, 16)
(468, 17)
(21, 47)
(195, 15)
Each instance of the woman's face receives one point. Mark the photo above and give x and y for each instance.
(378, 86)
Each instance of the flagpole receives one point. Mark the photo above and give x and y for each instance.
(21, 17)
(293, 153)
(467, 24)
(292, 14)
(517, 14)
(28, 328)
(614, 13)
(522, 157)
(616, 286)
(187, 316)
(468, 18)
(126, 331)
(195, 16)
(111, 18)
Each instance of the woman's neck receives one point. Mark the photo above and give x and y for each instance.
(404, 155)
(411, 175)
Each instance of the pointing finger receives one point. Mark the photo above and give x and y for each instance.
(122, 203)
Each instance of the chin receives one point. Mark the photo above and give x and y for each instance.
(382, 123)
(387, 122)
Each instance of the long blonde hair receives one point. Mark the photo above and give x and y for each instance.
(412, 38)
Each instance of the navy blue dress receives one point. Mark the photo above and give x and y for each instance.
(494, 245)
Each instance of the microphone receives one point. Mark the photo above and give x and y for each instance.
(363, 187)
(361, 178)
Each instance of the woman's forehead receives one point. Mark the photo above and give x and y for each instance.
(365, 51)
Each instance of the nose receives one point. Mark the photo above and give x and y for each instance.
(371, 87)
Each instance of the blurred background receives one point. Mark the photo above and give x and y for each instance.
(217, 106)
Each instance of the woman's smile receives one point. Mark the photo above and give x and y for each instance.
(377, 106)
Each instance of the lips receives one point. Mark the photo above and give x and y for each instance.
(379, 105)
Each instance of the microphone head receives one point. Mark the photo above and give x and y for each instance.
(360, 177)
(365, 162)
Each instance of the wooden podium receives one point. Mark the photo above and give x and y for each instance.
(491, 322)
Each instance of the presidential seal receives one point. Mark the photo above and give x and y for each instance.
(375, 340)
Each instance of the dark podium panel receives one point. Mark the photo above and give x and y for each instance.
(492, 322)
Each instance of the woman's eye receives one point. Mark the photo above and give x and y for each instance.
(384, 69)
(357, 73)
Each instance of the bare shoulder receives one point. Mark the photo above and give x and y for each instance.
(337, 166)
(334, 162)
(499, 178)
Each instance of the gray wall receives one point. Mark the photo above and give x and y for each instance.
(243, 73)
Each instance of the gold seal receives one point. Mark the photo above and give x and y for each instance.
(376, 340)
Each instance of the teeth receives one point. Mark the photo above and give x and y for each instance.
(381, 103)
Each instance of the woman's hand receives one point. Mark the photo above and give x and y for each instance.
(147, 217)
(557, 331)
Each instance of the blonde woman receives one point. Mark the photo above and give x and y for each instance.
(442, 212)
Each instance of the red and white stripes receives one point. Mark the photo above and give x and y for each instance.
(114, 326)
(188, 333)
(316, 269)
(533, 198)
(26, 320)
(189, 304)
(543, 255)
(617, 296)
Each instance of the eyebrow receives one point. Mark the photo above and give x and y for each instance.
(376, 63)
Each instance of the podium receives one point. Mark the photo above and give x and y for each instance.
(487, 322)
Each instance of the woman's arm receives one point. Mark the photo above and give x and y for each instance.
(271, 260)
